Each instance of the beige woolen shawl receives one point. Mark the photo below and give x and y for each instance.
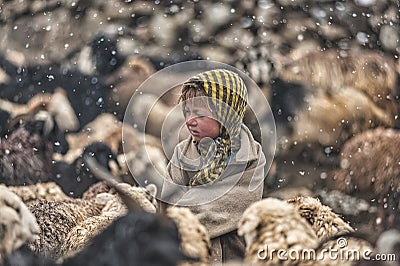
(224, 200)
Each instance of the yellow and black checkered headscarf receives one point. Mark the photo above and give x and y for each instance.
(228, 99)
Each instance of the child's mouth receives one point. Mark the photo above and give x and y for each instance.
(194, 133)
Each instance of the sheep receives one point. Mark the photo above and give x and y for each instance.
(345, 204)
(68, 225)
(17, 224)
(369, 163)
(366, 71)
(272, 224)
(56, 219)
(91, 132)
(195, 239)
(76, 178)
(105, 54)
(125, 80)
(142, 197)
(26, 155)
(47, 191)
(96, 189)
(57, 104)
(324, 222)
(146, 166)
(139, 237)
(134, 163)
(80, 235)
(112, 208)
(87, 94)
(351, 112)
(358, 90)
(60, 116)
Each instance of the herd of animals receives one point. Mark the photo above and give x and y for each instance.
(56, 210)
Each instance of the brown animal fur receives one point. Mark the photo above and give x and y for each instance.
(47, 191)
(196, 241)
(323, 220)
(369, 163)
(25, 158)
(56, 219)
(277, 224)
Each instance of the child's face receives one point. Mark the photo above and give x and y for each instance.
(200, 121)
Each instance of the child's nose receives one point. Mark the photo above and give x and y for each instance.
(191, 121)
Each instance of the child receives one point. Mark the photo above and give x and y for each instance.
(213, 168)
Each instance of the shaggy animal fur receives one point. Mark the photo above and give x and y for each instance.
(142, 237)
(324, 222)
(369, 163)
(278, 225)
(80, 235)
(196, 241)
(17, 224)
(26, 155)
(144, 197)
(95, 189)
(112, 207)
(56, 219)
(49, 191)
